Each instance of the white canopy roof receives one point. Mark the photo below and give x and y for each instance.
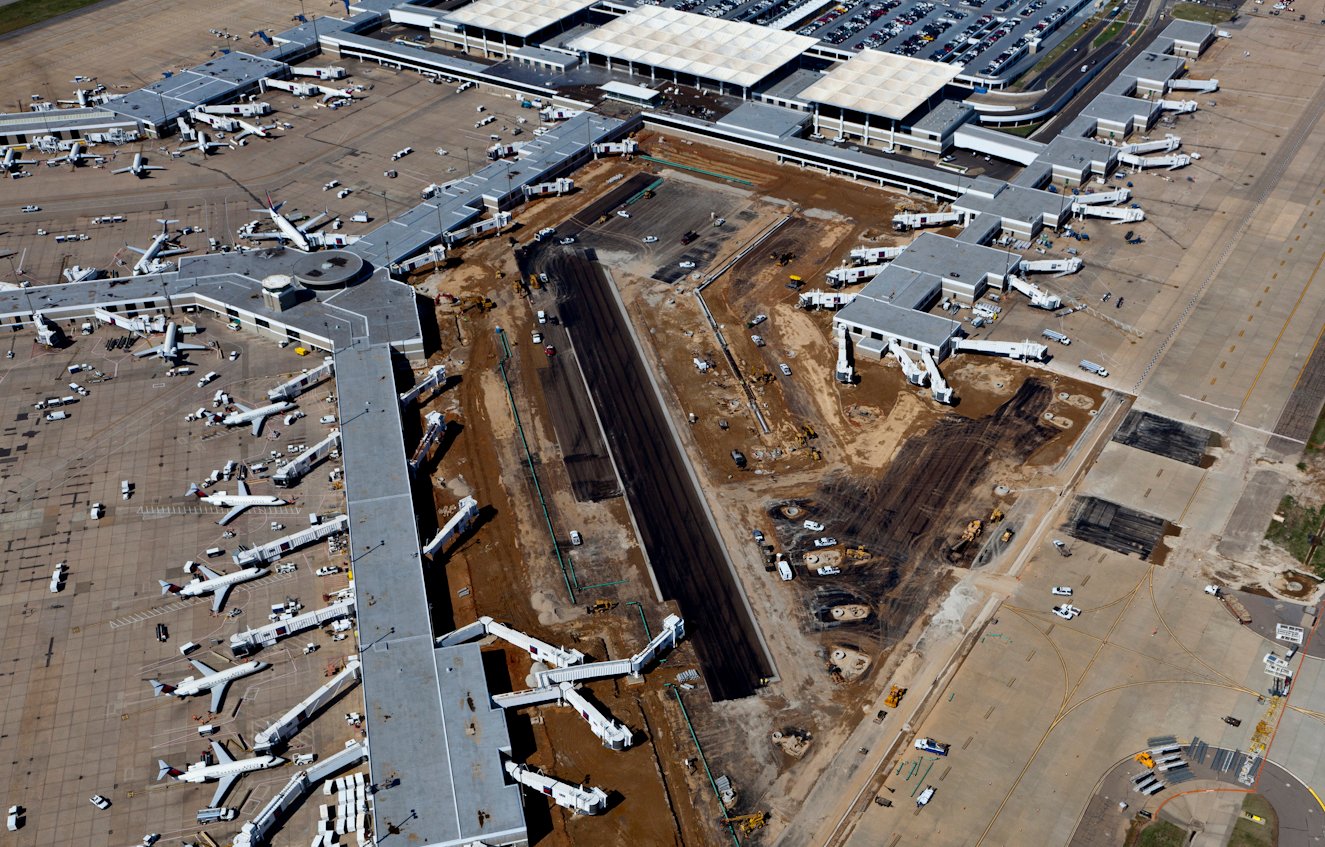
(683, 42)
(521, 18)
(883, 84)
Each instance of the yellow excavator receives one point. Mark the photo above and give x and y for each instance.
(748, 823)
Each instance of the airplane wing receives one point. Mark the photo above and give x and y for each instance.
(122, 170)
(151, 351)
(208, 572)
(201, 667)
(218, 599)
(222, 755)
(231, 515)
(154, 167)
(218, 694)
(266, 236)
(243, 488)
(223, 788)
(184, 347)
(257, 424)
(173, 251)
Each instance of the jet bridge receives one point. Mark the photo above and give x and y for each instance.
(914, 373)
(824, 299)
(298, 89)
(844, 373)
(1104, 198)
(1022, 350)
(582, 801)
(288, 725)
(48, 334)
(1173, 161)
(873, 255)
(436, 376)
(565, 185)
(1116, 214)
(846, 275)
(540, 650)
(914, 220)
(251, 641)
(466, 512)
(301, 383)
(1182, 107)
(1050, 266)
(1204, 86)
(273, 550)
(1040, 298)
(256, 832)
(1167, 144)
(938, 386)
(672, 632)
(436, 427)
(495, 222)
(293, 471)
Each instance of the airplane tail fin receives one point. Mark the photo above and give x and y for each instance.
(159, 688)
(168, 587)
(164, 769)
(194, 490)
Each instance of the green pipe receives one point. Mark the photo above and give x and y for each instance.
(702, 760)
(602, 584)
(642, 619)
(682, 167)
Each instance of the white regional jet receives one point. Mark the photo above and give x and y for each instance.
(11, 161)
(237, 502)
(214, 681)
(226, 770)
(171, 348)
(255, 416)
(216, 584)
(139, 168)
(151, 263)
(202, 145)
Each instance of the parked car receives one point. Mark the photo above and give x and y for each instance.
(785, 368)
(687, 265)
(826, 541)
(1066, 611)
(1062, 591)
(650, 239)
(100, 802)
(814, 526)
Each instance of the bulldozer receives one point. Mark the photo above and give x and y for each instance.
(483, 304)
(894, 697)
(783, 259)
(996, 515)
(973, 530)
(1145, 759)
(748, 823)
(858, 552)
(600, 606)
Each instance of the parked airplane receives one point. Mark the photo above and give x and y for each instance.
(151, 262)
(247, 129)
(202, 145)
(226, 770)
(11, 161)
(300, 234)
(240, 500)
(139, 168)
(171, 348)
(76, 156)
(211, 680)
(255, 416)
(216, 584)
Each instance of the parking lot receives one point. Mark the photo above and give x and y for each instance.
(988, 37)
(80, 716)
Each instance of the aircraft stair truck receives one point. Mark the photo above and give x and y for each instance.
(1104, 198)
(1204, 86)
(847, 274)
(558, 187)
(906, 221)
(436, 427)
(1182, 107)
(294, 470)
(466, 512)
(938, 386)
(1167, 144)
(301, 383)
(874, 255)
(1061, 267)
(1025, 351)
(436, 376)
(1172, 161)
(844, 373)
(913, 372)
(250, 641)
(288, 725)
(580, 800)
(824, 300)
(1039, 298)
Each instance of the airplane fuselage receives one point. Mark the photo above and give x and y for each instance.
(199, 587)
(241, 418)
(198, 772)
(220, 498)
(189, 686)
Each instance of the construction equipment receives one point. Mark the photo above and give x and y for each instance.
(894, 697)
(748, 823)
(783, 259)
(474, 301)
(973, 530)
(857, 552)
(1007, 535)
(1145, 759)
(599, 606)
(996, 515)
